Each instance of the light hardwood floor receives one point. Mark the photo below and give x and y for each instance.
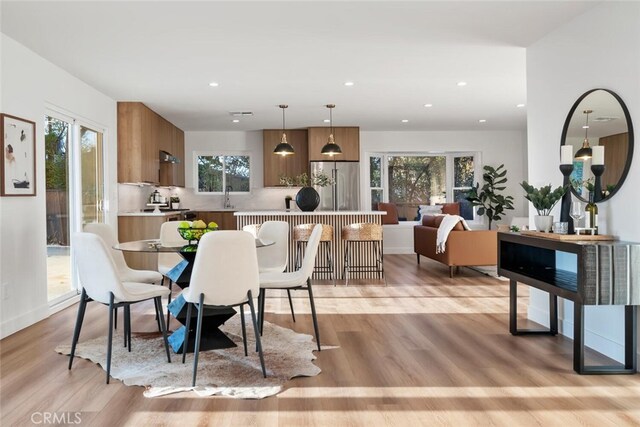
(424, 350)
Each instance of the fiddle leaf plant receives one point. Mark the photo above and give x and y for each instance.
(544, 198)
(488, 198)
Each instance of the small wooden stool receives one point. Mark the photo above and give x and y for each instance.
(362, 233)
(301, 234)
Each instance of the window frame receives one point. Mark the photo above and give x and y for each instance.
(222, 154)
(449, 173)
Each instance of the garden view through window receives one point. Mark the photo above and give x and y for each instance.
(414, 180)
(220, 173)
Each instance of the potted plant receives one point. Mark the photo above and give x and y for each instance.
(308, 198)
(175, 202)
(543, 200)
(491, 203)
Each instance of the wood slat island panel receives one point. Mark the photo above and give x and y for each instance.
(362, 254)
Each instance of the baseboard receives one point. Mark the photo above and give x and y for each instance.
(597, 342)
(11, 326)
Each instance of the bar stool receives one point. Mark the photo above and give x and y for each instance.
(367, 233)
(301, 234)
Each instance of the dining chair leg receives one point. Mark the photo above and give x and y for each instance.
(244, 329)
(293, 314)
(255, 330)
(185, 343)
(264, 297)
(115, 319)
(110, 335)
(313, 313)
(127, 326)
(198, 337)
(164, 329)
(169, 302)
(155, 303)
(76, 332)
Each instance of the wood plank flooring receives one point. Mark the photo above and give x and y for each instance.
(423, 350)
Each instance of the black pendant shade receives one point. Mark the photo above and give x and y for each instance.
(585, 152)
(331, 148)
(284, 148)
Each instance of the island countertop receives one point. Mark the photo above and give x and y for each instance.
(301, 213)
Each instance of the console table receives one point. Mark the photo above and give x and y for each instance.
(585, 272)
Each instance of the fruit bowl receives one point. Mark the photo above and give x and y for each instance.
(194, 234)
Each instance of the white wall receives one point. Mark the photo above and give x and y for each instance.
(496, 147)
(28, 84)
(560, 68)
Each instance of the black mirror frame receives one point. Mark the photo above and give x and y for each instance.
(627, 116)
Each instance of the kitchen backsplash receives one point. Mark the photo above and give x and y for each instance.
(133, 198)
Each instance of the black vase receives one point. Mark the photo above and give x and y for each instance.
(307, 199)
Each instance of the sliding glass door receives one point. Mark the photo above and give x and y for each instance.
(74, 176)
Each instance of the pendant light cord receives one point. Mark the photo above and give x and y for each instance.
(586, 128)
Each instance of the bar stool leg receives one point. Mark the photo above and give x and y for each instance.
(345, 270)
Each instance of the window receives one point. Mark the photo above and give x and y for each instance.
(409, 180)
(216, 173)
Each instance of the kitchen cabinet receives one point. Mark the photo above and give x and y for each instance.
(138, 159)
(348, 138)
(142, 134)
(142, 227)
(224, 219)
(276, 165)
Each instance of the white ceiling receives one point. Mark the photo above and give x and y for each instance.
(400, 55)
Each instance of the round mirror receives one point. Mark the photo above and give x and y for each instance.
(599, 118)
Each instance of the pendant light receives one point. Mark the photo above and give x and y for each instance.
(284, 148)
(331, 148)
(585, 152)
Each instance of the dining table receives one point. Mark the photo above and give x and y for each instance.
(212, 317)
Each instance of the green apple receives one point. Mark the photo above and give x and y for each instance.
(184, 224)
(213, 224)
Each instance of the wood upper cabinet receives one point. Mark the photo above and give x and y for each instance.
(142, 134)
(138, 159)
(275, 165)
(348, 138)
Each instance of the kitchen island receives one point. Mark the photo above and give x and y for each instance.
(362, 255)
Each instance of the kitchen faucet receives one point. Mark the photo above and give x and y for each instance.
(227, 200)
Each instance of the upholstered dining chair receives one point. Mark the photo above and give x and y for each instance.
(125, 273)
(169, 236)
(101, 282)
(225, 274)
(274, 258)
(299, 279)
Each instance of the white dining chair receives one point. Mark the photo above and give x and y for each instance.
(169, 236)
(125, 273)
(101, 282)
(299, 279)
(274, 258)
(225, 274)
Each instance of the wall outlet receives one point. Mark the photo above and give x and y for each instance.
(4, 291)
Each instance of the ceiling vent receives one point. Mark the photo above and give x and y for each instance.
(604, 119)
(241, 113)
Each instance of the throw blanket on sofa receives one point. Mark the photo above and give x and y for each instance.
(447, 224)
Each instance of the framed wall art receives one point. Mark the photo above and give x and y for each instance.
(18, 157)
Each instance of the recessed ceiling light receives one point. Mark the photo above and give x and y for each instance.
(348, 83)
(236, 121)
(213, 84)
(405, 121)
(520, 105)
(482, 121)
(428, 105)
(326, 120)
(462, 83)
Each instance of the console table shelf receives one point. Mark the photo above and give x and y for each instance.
(592, 273)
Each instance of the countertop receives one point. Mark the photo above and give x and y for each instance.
(162, 213)
(300, 213)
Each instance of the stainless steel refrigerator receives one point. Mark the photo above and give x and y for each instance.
(344, 194)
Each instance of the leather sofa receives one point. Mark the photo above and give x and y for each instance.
(463, 248)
